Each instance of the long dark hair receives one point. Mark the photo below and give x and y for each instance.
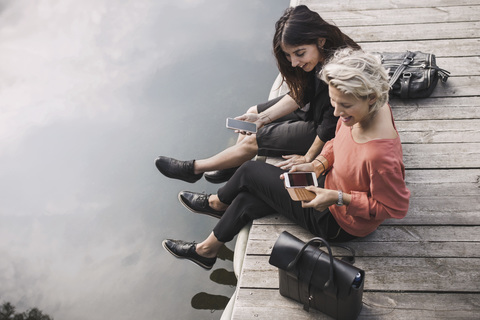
(300, 26)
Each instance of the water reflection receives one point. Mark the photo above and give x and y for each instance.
(91, 93)
(222, 276)
(225, 253)
(212, 302)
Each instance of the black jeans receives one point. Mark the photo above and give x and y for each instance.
(256, 191)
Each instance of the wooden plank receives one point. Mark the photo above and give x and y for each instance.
(268, 234)
(426, 179)
(387, 274)
(457, 87)
(390, 241)
(418, 249)
(436, 108)
(440, 47)
(435, 274)
(460, 66)
(343, 5)
(383, 305)
(349, 18)
(429, 31)
(389, 249)
(439, 131)
(435, 156)
(433, 210)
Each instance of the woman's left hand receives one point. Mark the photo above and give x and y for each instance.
(323, 199)
(290, 161)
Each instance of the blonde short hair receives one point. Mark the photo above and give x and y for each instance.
(357, 73)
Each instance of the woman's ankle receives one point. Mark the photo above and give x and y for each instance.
(196, 167)
(215, 203)
(205, 251)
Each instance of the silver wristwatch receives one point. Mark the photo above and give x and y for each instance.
(340, 198)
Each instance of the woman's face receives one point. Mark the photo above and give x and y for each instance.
(305, 56)
(350, 109)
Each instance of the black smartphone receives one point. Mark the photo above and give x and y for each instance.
(235, 124)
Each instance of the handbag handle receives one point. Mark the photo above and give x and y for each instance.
(350, 259)
(406, 61)
(329, 286)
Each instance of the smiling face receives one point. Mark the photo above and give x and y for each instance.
(305, 56)
(350, 109)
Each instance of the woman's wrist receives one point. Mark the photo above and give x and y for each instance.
(319, 166)
(308, 157)
(334, 194)
(265, 118)
(338, 196)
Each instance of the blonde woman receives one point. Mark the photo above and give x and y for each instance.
(361, 172)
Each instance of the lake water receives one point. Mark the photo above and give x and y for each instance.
(91, 92)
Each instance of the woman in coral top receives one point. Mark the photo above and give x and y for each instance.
(360, 172)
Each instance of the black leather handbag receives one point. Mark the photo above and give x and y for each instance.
(317, 279)
(413, 74)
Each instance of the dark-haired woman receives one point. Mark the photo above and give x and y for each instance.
(297, 124)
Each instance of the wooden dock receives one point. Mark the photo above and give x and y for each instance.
(427, 265)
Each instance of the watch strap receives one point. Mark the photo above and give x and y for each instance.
(340, 198)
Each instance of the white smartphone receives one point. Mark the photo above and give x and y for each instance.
(235, 124)
(295, 182)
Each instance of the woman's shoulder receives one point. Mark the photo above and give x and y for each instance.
(384, 126)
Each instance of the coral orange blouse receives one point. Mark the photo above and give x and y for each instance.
(373, 173)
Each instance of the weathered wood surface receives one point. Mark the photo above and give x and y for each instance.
(258, 304)
(427, 265)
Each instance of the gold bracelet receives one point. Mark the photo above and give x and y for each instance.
(324, 169)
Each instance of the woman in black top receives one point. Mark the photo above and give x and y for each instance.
(297, 124)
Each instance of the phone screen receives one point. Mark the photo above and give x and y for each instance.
(300, 179)
(241, 125)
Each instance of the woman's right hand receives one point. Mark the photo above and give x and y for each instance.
(251, 117)
(323, 198)
(304, 167)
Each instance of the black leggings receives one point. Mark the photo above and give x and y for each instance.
(256, 191)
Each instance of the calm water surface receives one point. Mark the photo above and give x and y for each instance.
(91, 92)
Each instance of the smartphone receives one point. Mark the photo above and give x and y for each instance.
(295, 183)
(241, 125)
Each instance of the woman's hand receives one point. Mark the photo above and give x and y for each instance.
(290, 161)
(250, 117)
(304, 167)
(323, 199)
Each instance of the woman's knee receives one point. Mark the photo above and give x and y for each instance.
(249, 144)
(258, 173)
(248, 167)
